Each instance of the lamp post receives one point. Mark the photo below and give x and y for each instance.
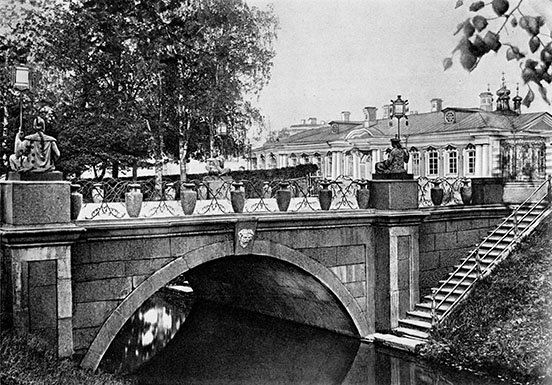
(399, 109)
(21, 80)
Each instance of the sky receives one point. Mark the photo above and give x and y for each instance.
(344, 55)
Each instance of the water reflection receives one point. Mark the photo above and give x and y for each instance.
(148, 331)
(222, 345)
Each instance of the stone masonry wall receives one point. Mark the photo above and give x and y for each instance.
(449, 234)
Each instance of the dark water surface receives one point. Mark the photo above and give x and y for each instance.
(222, 345)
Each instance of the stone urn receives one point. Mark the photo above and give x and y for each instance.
(363, 195)
(466, 193)
(76, 201)
(133, 200)
(437, 193)
(97, 193)
(283, 196)
(325, 195)
(237, 197)
(188, 198)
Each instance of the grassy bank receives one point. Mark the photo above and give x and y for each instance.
(27, 359)
(504, 327)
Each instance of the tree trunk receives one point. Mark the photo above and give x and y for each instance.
(135, 170)
(115, 170)
(183, 149)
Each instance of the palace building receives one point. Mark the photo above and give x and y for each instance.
(451, 142)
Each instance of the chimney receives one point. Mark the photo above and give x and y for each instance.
(386, 111)
(345, 116)
(369, 115)
(303, 121)
(312, 121)
(436, 105)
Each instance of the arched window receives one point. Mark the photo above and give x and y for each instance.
(292, 160)
(365, 166)
(432, 161)
(469, 159)
(415, 156)
(451, 160)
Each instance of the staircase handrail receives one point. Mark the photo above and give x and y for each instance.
(485, 271)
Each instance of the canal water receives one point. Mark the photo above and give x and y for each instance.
(184, 341)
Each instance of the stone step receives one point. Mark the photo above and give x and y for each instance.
(411, 333)
(423, 326)
(421, 315)
(396, 342)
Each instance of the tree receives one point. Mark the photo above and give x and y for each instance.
(481, 34)
(132, 75)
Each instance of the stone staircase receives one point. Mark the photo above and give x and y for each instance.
(493, 249)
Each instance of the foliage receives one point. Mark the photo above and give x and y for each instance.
(505, 325)
(127, 77)
(28, 359)
(481, 34)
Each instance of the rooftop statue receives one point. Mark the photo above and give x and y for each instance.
(394, 164)
(36, 152)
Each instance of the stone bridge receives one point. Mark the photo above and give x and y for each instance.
(351, 271)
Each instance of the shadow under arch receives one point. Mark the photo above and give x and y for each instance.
(194, 258)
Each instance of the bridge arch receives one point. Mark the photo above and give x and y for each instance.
(200, 256)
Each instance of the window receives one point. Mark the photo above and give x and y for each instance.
(293, 160)
(452, 160)
(432, 162)
(364, 163)
(470, 160)
(329, 165)
(416, 163)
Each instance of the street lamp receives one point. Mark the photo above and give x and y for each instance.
(399, 109)
(21, 77)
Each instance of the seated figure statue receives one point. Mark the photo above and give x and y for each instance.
(36, 152)
(394, 164)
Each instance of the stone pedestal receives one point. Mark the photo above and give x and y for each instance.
(35, 202)
(487, 190)
(389, 194)
(35, 279)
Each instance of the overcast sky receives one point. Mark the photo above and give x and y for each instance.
(343, 55)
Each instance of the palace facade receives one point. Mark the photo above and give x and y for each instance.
(453, 142)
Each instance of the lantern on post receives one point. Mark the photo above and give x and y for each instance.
(22, 78)
(399, 108)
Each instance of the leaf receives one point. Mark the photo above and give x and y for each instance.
(469, 29)
(479, 22)
(468, 60)
(534, 44)
(543, 94)
(500, 6)
(514, 53)
(492, 41)
(476, 6)
(528, 99)
(447, 63)
(459, 3)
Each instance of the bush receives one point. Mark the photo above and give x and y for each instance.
(28, 359)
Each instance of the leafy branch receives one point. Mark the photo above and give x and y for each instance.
(535, 65)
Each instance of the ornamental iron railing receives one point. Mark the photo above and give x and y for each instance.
(106, 198)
